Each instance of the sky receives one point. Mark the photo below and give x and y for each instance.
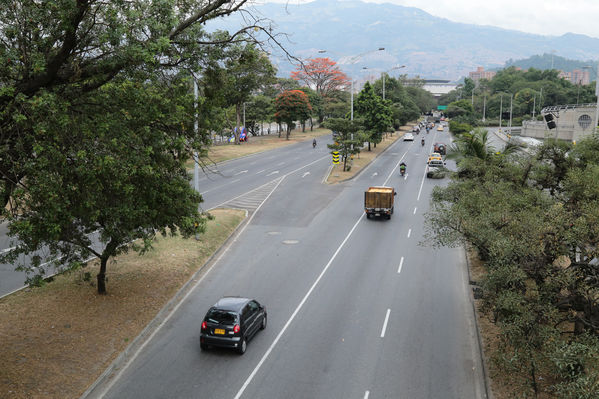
(544, 17)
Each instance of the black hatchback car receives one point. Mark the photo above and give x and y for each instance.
(231, 322)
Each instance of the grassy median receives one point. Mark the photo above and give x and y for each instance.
(58, 338)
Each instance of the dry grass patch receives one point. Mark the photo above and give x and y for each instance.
(255, 144)
(362, 159)
(57, 339)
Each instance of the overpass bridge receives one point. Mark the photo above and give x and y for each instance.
(436, 87)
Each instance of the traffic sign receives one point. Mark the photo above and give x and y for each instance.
(335, 157)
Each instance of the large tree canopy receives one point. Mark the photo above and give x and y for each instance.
(70, 48)
(322, 74)
(533, 220)
(96, 122)
(375, 113)
(291, 106)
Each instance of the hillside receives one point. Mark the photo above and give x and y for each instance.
(429, 46)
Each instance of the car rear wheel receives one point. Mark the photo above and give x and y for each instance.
(263, 325)
(242, 346)
(203, 346)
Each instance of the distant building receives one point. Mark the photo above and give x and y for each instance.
(480, 73)
(577, 76)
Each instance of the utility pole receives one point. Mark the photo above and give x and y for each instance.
(484, 106)
(510, 128)
(534, 105)
(352, 99)
(500, 110)
(196, 166)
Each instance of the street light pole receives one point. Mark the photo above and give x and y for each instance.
(510, 128)
(484, 106)
(597, 94)
(353, 60)
(352, 98)
(500, 110)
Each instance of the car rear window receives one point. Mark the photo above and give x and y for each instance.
(218, 316)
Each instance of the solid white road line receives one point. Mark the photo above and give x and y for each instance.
(295, 312)
(385, 323)
(409, 232)
(400, 265)
(421, 184)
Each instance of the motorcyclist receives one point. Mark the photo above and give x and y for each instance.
(402, 168)
(314, 143)
(422, 142)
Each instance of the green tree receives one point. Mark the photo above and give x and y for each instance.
(259, 109)
(375, 113)
(291, 106)
(119, 175)
(242, 70)
(533, 221)
(348, 138)
(459, 108)
(316, 101)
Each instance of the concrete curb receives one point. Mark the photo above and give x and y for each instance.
(123, 357)
(483, 357)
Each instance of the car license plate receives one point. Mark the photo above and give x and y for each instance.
(219, 331)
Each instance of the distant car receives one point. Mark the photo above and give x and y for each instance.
(408, 137)
(434, 156)
(232, 322)
(440, 148)
(434, 166)
(440, 128)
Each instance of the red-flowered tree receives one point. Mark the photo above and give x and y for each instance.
(290, 106)
(321, 74)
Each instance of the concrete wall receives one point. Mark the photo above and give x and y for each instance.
(573, 123)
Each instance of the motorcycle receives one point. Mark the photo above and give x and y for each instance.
(422, 142)
(402, 170)
(314, 144)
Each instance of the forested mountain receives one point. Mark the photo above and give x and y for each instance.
(429, 46)
(548, 61)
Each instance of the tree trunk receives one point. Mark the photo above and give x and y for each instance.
(280, 128)
(369, 146)
(288, 131)
(311, 124)
(102, 276)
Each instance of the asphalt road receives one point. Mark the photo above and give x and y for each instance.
(357, 307)
(237, 183)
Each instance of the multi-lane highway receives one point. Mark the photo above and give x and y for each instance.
(357, 308)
